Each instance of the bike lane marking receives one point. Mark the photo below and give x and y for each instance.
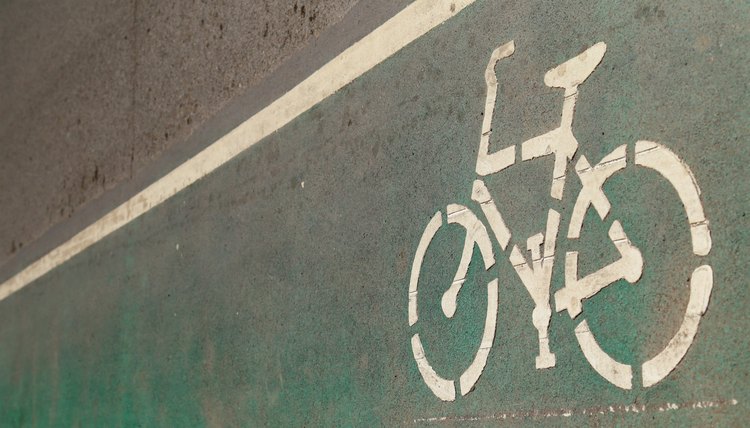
(536, 276)
(408, 25)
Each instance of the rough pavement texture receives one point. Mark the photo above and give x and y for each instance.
(275, 290)
(92, 91)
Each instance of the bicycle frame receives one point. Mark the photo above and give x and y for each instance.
(560, 142)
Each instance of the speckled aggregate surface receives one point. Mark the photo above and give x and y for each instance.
(274, 291)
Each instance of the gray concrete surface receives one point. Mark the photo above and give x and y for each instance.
(94, 91)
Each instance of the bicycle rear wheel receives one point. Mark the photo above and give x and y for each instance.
(476, 233)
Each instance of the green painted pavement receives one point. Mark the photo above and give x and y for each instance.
(250, 298)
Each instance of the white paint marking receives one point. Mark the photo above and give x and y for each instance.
(408, 25)
(476, 233)
(570, 74)
(592, 179)
(499, 228)
(568, 412)
(662, 364)
(536, 274)
(471, 375)
(444, 389)
(416, 267)
(537, 277)
(629, 267)
(669, 165)
(619, 374)
(490, 163)
(560, 141)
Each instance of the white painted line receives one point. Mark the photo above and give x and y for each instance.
(658, 367)
(408, 25)
(617, 373)
(416, 267)
(444, 389)
(623, 409)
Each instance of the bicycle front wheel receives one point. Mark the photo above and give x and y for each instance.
(662, 160)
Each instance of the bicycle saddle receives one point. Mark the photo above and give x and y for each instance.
(574, 71)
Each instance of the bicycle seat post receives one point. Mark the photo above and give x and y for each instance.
(569, 107)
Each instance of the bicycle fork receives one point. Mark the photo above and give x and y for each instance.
(536, 277)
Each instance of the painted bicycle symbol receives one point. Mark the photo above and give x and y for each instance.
(536, 274)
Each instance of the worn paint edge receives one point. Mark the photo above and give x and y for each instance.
(408, 25)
